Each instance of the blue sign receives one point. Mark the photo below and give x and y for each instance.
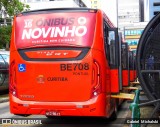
(21, 67)
(133, 32)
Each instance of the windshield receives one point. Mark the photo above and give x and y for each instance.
(4, 61)
(5, 57)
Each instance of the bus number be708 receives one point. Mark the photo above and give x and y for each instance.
(74, 67)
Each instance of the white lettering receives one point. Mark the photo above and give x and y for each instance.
(60, 32)
(26, 34)
(70, 31)
(37, 31)
(83, 29)
(45, 33)
(54, 32)
(82, 20)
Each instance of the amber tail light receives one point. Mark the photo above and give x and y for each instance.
(12, 79)
(96, 80)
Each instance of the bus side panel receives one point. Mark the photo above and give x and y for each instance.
(125, 74)
(135, 74)
(114, 81)
(101, 59)
(132, 76)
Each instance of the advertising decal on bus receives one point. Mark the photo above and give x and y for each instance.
(55, 29)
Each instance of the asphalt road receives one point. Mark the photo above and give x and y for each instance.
(70, 121)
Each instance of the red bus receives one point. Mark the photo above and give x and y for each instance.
(125, 65)
(132, 67)
(128, 65)
(64, 62)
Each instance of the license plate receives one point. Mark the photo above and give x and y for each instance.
(53, 113)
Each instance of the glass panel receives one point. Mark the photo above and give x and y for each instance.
(5, 57)
(124, 56)
(112, 47)
(106, 42)
(2, 63)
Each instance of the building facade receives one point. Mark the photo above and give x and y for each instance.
(129, 21)
(151, 8)
(128, 12)
(108, 6)
(96, 4)
(132, 34)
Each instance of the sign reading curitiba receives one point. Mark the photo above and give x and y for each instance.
(54, 27)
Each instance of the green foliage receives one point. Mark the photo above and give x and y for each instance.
(5, 33)
(11, 7)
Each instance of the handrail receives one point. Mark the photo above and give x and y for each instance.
(134, 107)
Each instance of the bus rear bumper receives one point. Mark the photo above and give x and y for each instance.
(92, 107)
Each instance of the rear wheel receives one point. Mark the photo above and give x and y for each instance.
(53, 117)
(50, 117)
(114, 115)
(24, 115)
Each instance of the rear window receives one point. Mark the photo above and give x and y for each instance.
(62, 29)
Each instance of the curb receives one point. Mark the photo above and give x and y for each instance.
(4, 100)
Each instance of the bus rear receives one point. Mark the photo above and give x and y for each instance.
(52, 70)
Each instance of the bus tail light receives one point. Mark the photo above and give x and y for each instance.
(12, 79)
(96, 88)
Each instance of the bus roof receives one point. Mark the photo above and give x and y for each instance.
(58, 10)
(65, 10)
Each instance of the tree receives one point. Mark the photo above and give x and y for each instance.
(13, 7)
(5, 33)
(9, 8)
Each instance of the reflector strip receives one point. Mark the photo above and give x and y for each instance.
(53, 53)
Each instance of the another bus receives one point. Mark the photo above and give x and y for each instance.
(125, 65)
(64, 62)
(132, 67)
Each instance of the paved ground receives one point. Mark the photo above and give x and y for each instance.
(123, 113)
(71, 121)
(4, 98)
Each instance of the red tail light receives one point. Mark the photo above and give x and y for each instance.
(96, 80)
(12, 79)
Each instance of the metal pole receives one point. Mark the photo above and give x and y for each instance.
(150, 102)
(117, 11)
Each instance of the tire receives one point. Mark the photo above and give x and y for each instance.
(24, 115)
(50, 117)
